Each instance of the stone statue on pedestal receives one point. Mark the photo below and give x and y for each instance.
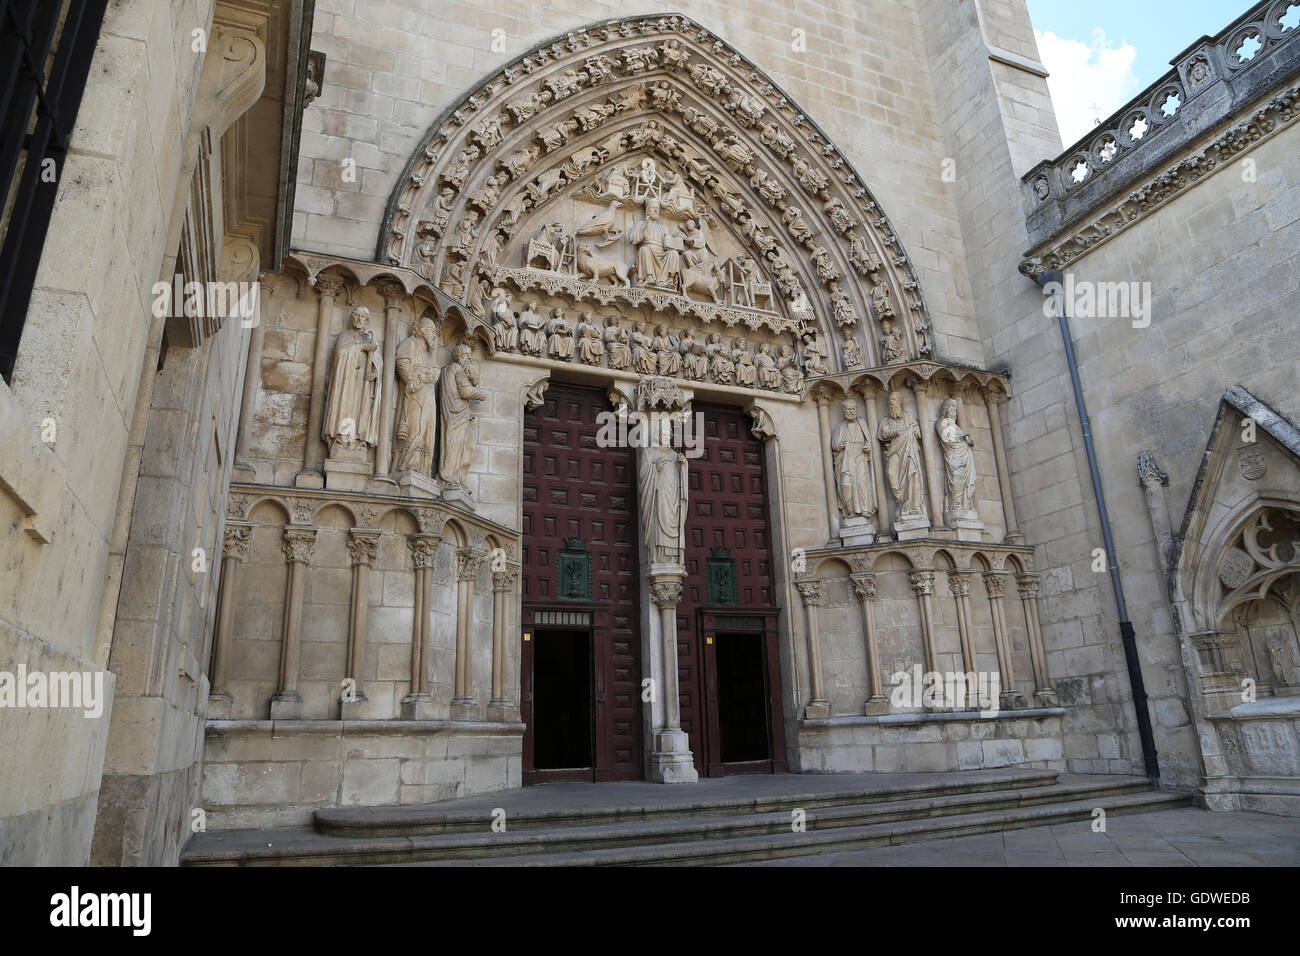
(851, 448)
(352, 402)
(417, 407)
(459, 393)
(901, 436)
(662, 489)
(959, 464)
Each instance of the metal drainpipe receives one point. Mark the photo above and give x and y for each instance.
(1051, 281)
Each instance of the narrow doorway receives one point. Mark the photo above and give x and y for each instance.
(743, 719)
(562, 701)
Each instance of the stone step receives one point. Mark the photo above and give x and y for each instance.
(880, 820)
(810, 842)
(453, 818)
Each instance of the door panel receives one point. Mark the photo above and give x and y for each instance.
(573, 489)
(727, 510)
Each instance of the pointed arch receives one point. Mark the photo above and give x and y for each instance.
(573, 106)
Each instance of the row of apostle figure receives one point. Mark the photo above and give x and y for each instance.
(430, 398)
(657, 351)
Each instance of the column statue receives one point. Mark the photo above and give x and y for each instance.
(353, 401)
(459, 393)
(417, 407)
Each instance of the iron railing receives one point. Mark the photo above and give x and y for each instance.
(45, 52)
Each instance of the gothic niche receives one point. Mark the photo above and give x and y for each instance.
(644, 172)
(1259, 587)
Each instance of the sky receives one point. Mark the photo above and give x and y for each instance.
(1102, 53)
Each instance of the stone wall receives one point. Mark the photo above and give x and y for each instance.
(1216, 255)
(262, 773)
(87, 347)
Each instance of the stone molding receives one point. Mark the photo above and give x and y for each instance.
(921, 553)
(367, 511)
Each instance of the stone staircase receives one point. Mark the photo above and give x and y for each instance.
(685, 829)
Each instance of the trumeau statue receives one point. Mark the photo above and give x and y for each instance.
(417, 406)
(901, 436)
(662, 492)
(352, 405)
(851, 449)
(459, 392)
(958, 460)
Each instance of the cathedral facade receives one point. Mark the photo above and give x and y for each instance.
(653, 398)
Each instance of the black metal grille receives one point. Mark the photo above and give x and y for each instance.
(45, 52)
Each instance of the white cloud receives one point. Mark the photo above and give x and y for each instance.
(1088, 81)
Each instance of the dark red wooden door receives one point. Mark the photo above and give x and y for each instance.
(728, 510)
(576, 492)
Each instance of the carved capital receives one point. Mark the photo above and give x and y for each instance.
(430, 521)
(392, 291)
(235, 542)
(1027, 584)
(504, 580)
(864, 586)
(810, 592)
(469, 562)
(922, 582)
(666, 593)
(995, 583)
(328, 286)
(959, 583)
(362, 546)
(424, 549)
(298, 545)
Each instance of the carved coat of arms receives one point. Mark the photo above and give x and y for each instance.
(1251, 459)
